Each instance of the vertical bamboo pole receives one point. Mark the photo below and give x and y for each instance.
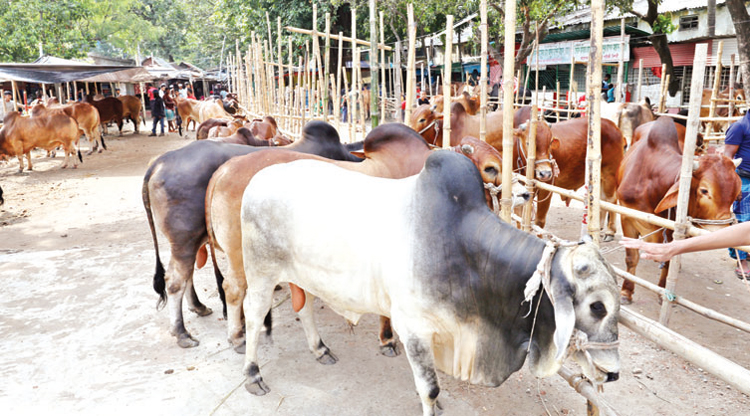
(664, 84)
(335, 97)
(594, 151)
(307, 102)
(508, 69)
(536, 71)
(291, 102)
(355, 63)
(349, 115)
(280, 61)
(250, 78)
(621, 64)
(383, 88)
(715, 90)
(640, 78)
(731, 86)
(421, 77)
(411, 70)
(557, 103)
(570, 82)
(317, 74)
(374, 90)
(518, 89)
(483, 71)
(268, 68)
(530, 165)
(87, 89)
(339, 75)
(75, 90)
(327, 95)
(686, 173)
(360, 99)
(14, 87)
(301, 98)
(270, 38)
(447, 67)
(67, 93)
(397, 80)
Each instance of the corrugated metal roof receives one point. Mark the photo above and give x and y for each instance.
(641, 6)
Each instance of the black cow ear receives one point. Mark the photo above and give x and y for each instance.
(565, 322)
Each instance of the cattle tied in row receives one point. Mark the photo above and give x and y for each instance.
(432, 257)
(174, 194)
(390, 151)
(86, 115)
(648, 180)
(19, 135)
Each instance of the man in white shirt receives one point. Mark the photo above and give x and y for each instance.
(182, 91)
(7, 106)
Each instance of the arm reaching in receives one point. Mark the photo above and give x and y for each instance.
(736, 235)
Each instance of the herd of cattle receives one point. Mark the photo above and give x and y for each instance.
(466, 293)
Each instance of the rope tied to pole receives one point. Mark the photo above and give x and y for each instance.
(579, 342)
(494, 191)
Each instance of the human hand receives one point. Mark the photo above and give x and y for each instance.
(649, 251)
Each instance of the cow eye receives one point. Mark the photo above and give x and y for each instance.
(704, 191)
(422, 120)
(490, 170)
(598, 309)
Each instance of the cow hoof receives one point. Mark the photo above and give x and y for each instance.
(624, 300)
(204, 311)
(187, 341)
(389, 350)
(100, 150)
(328, 358)
(258, 388)
(240, 349)
(607, 238)
(90, 152)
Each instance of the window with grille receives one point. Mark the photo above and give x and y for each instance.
(688, 22)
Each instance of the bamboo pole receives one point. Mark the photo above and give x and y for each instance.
(530, 171)
(270, 38)
(280, 61)
(594, 151)
(686, 172)
(584, 387)
(67, 93)
(355, 64)
(640, 79)
(339, 74)
(384, 86)
(143, 106)
(518, 89)
(317, 73)
(715, 90)
(570, 83)
(361, 100)
(291, 102)
(303, 89)
(374, 90)
(557, 103)
(307, 102)
(411, 70)
(349, 115)
(483, 71)
(430, 91)
(508, 69)
(327, 95)
(663, 87)
(397, 89)
(339, 37)
(621, 63)
(731, 373)
(14, 87)
(250, 80)
(731, 85)
(447, 67)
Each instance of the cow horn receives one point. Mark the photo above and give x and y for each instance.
(522, 127)
(696, 165)
(467, 149)
(737, 162)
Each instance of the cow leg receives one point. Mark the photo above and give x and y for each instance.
(609, 194)
(20, 162)
(543, 199)
(420, 357)
(257, 303)
(235, 289)
(322, 353)
(388, 345)
(194, 304)
(179, 272)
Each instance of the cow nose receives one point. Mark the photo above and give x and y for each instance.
(543, 175)
(525, 196)
(612, 377)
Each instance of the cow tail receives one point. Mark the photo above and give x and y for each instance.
(80, 157)
(159, 282)
(211, 244)
(101, 137)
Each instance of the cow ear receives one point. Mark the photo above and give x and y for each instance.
(359, 153)
(669, 200)
(554, 144)
(565, 317)
(737, 162)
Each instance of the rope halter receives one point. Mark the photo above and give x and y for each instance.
(494, 191)
(698, 221)
(579, 342)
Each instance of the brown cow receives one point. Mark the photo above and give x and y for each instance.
(722, 110)
(391, 151)
(643, 130)
(225, 131)
(200, 111)
(471, 103)
(84, 114)
(206, 126)
(131, 109)
(648, 180)
(429, 125)
(110, 109)
(20, 135)
(242, 136)
(187, 109)
(264, 129)
(628, 116)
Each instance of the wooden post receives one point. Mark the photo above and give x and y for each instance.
(557, 103)
(621, 64)
(374, 90)
(570, 83)
(67, 93)
(411, 70)
(430, 91)
(484, 39)
(508, 69)
(327, 95)
(715, 90)
(14, 87)
(336, 115)
(447, 67)
(143, 105)
(270, 38)
(384, 87)
(731, 85)
(355, 63)
(361, 101)
(686, 172)
(640, 79)
(280, 60)
(301, 97)
(594, 152)
(663, 86)
(339, 75)
(307, 101)
(319, 82)
(291, 84)
(350, 117)
(530, 165)
(397, 89)
(518, 89)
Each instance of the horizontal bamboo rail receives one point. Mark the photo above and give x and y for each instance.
(337, 37)
(584, 387)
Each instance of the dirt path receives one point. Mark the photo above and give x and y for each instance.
(79, 332)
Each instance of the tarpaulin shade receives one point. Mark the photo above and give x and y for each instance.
(52, 74)
(139, 74)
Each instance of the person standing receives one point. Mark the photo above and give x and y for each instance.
(7, 106)
(157, 110)
(423, 98)
(169, 105)
(182, 91)
(737, 145)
